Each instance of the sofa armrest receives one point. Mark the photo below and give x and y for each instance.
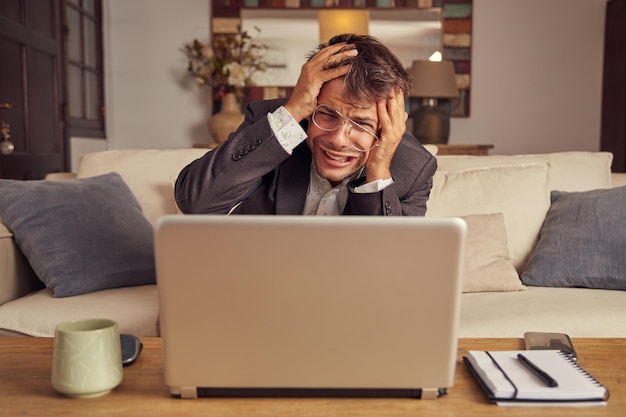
(17, 278)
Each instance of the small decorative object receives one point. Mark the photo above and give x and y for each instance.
(432, 80)
(227, 120)
(6, 146)
(227, 65)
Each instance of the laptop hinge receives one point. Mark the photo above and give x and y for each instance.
(188, 392)
(430, 393)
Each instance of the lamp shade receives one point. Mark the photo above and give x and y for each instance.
(336, 22)
(433, 79)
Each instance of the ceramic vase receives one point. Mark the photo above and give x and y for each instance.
(227, 120)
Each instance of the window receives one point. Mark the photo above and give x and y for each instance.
(85, 75)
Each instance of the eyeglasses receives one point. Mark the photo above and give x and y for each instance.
(361, 138)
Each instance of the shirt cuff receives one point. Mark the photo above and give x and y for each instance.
(287, 130)
(374, 186)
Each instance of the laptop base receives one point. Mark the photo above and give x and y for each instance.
(193, 392)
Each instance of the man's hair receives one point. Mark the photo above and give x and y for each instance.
(375, 73)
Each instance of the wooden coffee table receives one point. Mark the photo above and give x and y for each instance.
(26, 390)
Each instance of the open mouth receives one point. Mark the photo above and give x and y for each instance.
(335, 156)
(339, 157)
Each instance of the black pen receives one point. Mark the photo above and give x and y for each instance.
(547, 379)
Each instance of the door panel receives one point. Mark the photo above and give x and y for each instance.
(31, 77)
(42, 101)
(10, 9)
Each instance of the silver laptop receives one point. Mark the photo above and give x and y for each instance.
(309, 306)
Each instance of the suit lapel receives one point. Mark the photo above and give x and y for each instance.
(293, 181)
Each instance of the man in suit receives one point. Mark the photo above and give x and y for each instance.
(338, 145)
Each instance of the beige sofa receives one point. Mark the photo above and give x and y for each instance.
(505, 200)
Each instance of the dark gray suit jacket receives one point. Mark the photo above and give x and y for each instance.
(253, 170)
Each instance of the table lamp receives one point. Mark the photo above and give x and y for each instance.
(432, 80)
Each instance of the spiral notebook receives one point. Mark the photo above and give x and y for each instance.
(508, 381)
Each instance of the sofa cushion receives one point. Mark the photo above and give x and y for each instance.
(80, 235)
(579, 312)
(135, 309)
(569, 171)
(487, 263)
(519, 192)
(582, 242)
(433, 149)
(147, 172)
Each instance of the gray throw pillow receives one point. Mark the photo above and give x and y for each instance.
(582, 242)
(80, 235)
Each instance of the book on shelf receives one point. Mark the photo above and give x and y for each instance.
(532, 377)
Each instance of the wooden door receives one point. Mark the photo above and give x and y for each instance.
(613, 137)
(32, 92)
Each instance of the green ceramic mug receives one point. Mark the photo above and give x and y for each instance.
(87, 358)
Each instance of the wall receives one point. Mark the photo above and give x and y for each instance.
(150, 100)
(537, 76)
(537, 71)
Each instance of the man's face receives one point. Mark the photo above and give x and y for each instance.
(334, 157)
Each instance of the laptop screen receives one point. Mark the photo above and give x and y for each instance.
(309, 303)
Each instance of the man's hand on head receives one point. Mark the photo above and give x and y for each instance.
(328, 64)
(392, 118)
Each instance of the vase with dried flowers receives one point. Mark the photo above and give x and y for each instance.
(227, 65)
